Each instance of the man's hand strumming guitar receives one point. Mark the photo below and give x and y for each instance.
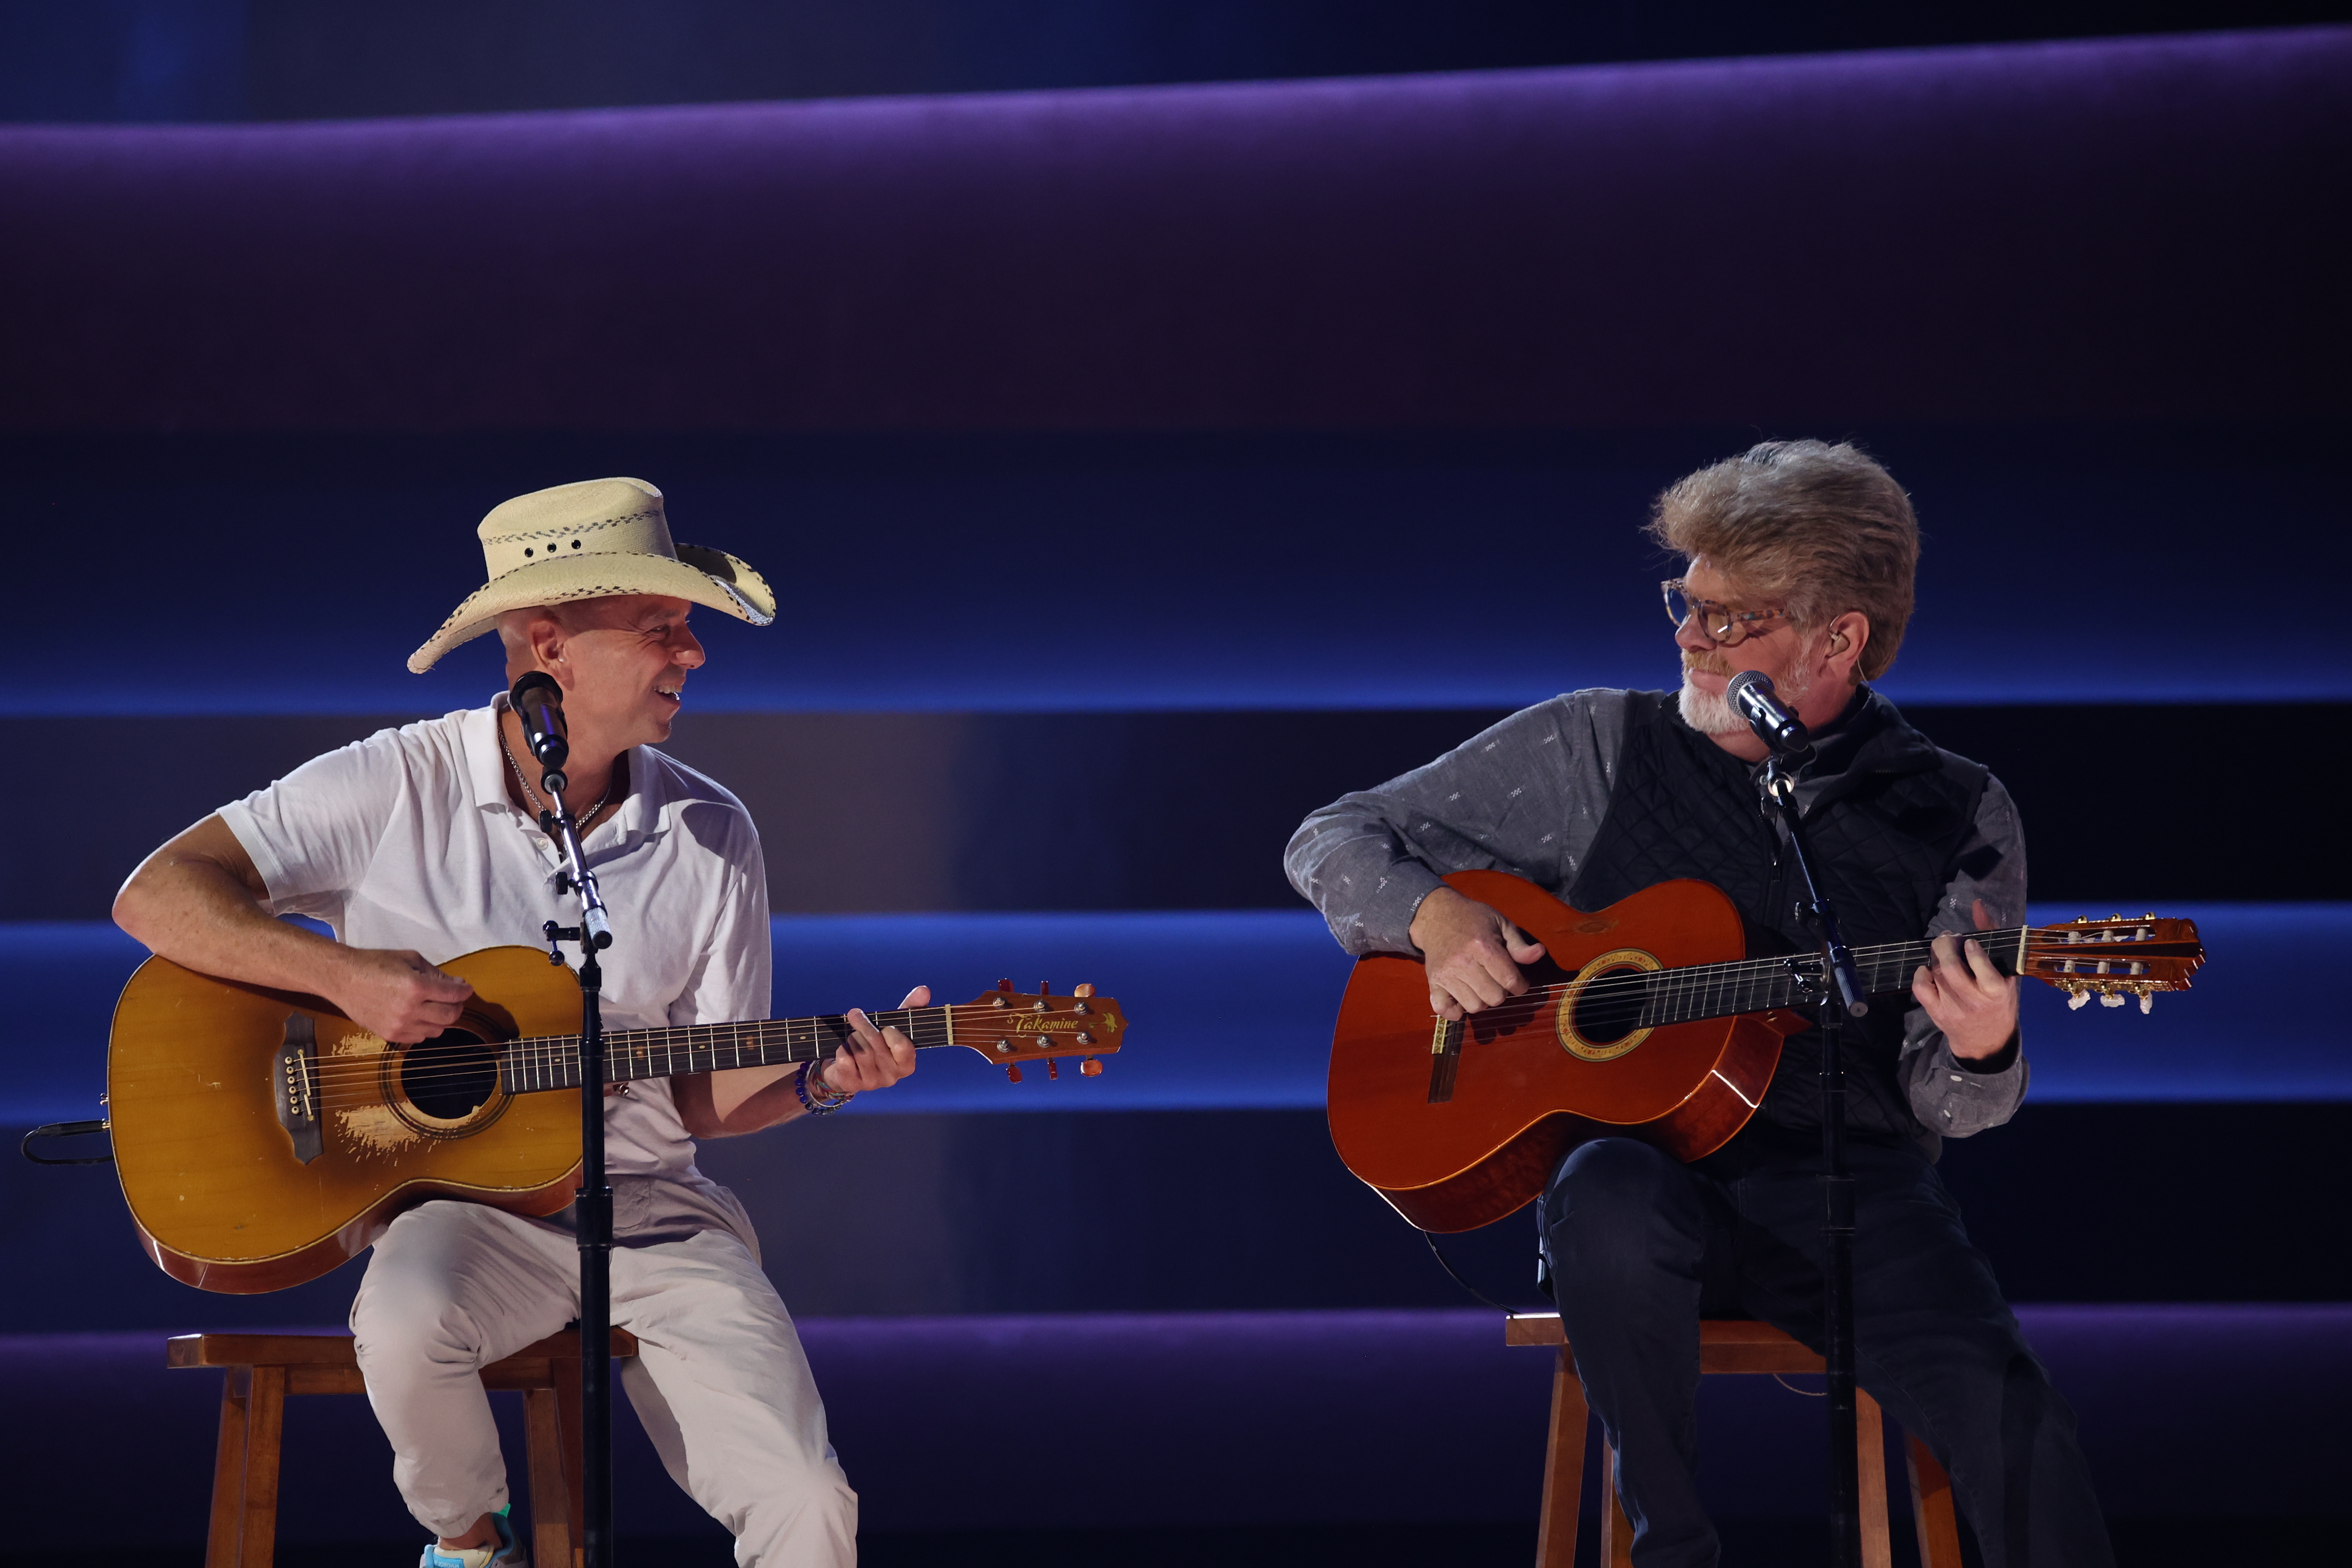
(395, 995)
(1472, 953)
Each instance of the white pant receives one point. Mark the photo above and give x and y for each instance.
(720, 1380)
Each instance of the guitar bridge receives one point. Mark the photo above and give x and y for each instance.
(295, 1086)
(1444, 1057)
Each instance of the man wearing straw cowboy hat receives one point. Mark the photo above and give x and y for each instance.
(422, 842)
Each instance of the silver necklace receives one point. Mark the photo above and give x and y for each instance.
(534, 794)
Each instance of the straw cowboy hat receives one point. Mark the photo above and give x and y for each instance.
(583, 541)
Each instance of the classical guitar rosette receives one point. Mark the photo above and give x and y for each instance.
(1600, 1027)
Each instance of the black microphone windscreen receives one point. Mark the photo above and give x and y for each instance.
(538, 702)
(538, 680)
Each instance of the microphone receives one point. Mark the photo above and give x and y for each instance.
(538, 702)
(1751, 697)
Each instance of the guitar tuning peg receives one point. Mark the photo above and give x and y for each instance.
(1053, 1068)
(1082, 989)
(1012, 1072)
(1004, 985)
(1090, 1067)
(1045, 988)
(2075, 997)
(2146, 1002)
(2110, 999)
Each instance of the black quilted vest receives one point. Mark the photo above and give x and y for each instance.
(1887, 828)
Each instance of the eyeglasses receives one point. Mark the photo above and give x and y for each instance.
(1721, 623)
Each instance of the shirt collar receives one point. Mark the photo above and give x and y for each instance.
(486, 766)
(486, 757)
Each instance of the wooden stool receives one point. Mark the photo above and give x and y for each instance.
(265, 1369)
(1723, 1346)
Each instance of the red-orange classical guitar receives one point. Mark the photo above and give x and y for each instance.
(1648, 1020)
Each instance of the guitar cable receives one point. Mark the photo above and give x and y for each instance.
(1454, 1275)
(57, 1130)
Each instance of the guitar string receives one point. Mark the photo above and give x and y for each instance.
(344, 1099)
(675, 1037)
(1634, 981)
(2037, 942)
(895, 1017)
(343, 1073)
(755, 1033)
(1716, 977)
(561, 1052)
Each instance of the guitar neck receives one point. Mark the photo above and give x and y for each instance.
(552, 1062)
(1761, 984)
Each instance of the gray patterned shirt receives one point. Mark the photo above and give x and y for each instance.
(1528, 796)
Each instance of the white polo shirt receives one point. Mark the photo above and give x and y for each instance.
(407, 840)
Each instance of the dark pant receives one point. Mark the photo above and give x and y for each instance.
(1642, 1246)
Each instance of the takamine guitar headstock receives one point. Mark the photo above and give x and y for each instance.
(2115, 958)
(1010, 1027)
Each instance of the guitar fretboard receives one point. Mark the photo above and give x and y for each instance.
(552, 1062)
(1759, 984)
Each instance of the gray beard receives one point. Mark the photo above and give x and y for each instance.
(1715, 715)
(1708, 712)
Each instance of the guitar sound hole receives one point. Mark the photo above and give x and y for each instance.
(1609, 1008)
(450, 1077)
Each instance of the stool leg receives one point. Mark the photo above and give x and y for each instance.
(229, 1474)
(551, 1495)
(1931, 1508)
(264, 1418)
(1870, 1427)
(1616, 1529)
(1563, 1486)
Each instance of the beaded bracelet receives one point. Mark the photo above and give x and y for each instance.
(823, 1102)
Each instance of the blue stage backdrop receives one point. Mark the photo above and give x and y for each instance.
(1091, 437)
(2118, 230)
(1027, 572)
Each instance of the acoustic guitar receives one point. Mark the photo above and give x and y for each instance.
(263, 1138)
(1649, 1019)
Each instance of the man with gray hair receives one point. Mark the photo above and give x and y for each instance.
(1800, 562)
(422, 844)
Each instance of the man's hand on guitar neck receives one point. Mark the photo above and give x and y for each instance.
(1471, 952)
(1963, 994)
(871, 1057)
(736, 1100)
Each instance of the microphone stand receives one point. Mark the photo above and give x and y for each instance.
(593, 1204)
(1838, 991)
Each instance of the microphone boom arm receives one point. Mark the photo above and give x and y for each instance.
(595, 925)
